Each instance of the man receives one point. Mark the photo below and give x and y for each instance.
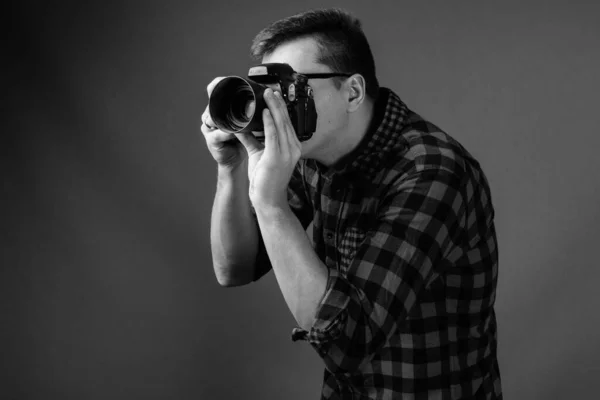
(396, 292)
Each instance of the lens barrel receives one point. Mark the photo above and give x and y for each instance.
(236, 105)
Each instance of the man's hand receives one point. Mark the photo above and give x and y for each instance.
(301, 275)
(226, 151)
(271, 166)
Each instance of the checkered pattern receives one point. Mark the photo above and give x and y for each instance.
(405, 226)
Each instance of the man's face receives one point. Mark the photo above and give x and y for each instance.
(332, 118)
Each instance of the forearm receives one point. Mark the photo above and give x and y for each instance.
(234, 233)
(301, 275)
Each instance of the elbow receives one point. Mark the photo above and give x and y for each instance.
(234, 277)
(229, 282)
(343, 338)
(305, 319)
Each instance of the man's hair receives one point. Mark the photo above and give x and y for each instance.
(343, 46)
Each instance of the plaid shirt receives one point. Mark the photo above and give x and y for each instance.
(405, 226)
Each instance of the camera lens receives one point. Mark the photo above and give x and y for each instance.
(241, 108)
(234, 103)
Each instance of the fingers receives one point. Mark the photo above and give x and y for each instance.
(207, 123)
(271, 134)
(207, 120)
(216, 135)
(251, 144)
(280, 120)
(283, 124)
(213, 83)
(211, 132)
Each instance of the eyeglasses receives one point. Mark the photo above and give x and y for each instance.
(325, 75)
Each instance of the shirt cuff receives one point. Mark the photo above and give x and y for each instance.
(331, 316)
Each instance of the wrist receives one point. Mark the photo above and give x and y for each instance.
(231, 171)
(270, 210)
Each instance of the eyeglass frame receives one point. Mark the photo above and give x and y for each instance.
(325, 75)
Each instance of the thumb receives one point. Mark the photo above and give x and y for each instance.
(251, 144)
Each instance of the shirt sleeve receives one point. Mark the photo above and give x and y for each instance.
(417, 226)
(301, 207)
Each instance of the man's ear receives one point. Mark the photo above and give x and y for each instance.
(357, 91)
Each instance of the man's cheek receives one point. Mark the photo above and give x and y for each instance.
(323, 116)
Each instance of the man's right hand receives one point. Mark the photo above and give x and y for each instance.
(224, 147)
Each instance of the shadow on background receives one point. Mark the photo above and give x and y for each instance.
(106, 285)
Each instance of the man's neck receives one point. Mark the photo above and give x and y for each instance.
(344, 143)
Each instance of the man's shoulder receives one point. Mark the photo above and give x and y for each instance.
(425, 146)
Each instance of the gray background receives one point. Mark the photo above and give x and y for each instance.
(106, 285)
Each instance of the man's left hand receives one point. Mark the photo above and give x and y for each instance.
(270, 167)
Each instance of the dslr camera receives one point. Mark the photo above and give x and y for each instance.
(236, 104)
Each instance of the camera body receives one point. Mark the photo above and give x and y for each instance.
(236, 104)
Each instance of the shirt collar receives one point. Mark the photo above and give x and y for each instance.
(383, 136)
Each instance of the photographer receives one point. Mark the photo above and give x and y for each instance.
(396, 291)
